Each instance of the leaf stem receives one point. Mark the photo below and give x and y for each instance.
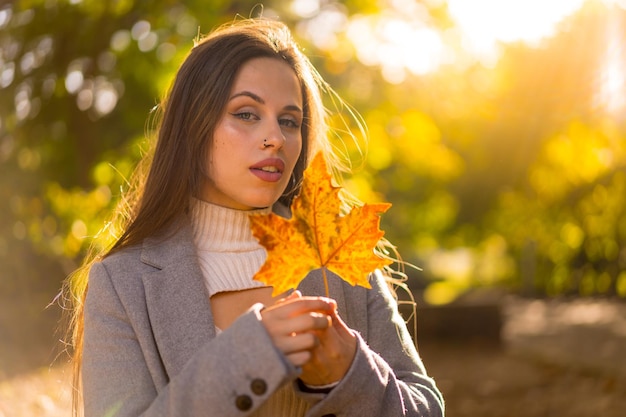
(325, 281)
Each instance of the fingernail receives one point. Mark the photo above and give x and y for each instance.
(294, 294)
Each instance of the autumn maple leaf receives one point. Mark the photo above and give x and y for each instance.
(318, 236)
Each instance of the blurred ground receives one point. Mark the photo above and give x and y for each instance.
(558, 358)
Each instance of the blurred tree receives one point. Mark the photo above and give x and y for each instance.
(449, 148)
(78, 81)
(565, 206)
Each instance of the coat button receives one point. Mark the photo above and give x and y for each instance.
(258, 386)
(243, 402)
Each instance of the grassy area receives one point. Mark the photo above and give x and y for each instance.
(42, 392)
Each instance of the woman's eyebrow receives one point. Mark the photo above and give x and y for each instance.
(259, 100)
(248, 94)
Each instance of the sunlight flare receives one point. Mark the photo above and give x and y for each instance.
(611, 92)
(485, 23)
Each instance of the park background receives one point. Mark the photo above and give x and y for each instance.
(497, 129)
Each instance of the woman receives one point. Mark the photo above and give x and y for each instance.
(172, 323)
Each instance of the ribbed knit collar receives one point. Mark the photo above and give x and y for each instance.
(228, 253)
(222, 229)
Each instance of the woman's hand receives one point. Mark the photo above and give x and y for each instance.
(333, 355)
(295, 323)
(311, 335)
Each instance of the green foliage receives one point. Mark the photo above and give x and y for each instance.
(79, 79)
(573, 213)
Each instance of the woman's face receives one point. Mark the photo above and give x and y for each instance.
(258, 140)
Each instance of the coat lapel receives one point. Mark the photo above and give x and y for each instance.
(178, 304)
(176, 298)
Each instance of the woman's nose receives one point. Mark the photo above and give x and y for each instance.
(274, 137)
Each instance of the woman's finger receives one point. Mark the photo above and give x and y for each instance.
(292, 295)
(299, 358)
(295, 322)
(277, 326)
(307, 322)
(297, 343)
(297, 306)
(331, 359)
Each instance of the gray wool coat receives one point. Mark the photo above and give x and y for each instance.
(150, 347)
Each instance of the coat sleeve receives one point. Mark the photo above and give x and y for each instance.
(118, 379)
(387, 377)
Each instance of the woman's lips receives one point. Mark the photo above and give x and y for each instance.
(270, 169)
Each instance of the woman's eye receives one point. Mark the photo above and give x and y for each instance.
(244, 115)
(289, 123)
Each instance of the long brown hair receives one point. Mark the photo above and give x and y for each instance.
(193, 108)
(171, 172)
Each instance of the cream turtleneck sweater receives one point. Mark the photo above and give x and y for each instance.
(228, 252)
(229, 257)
